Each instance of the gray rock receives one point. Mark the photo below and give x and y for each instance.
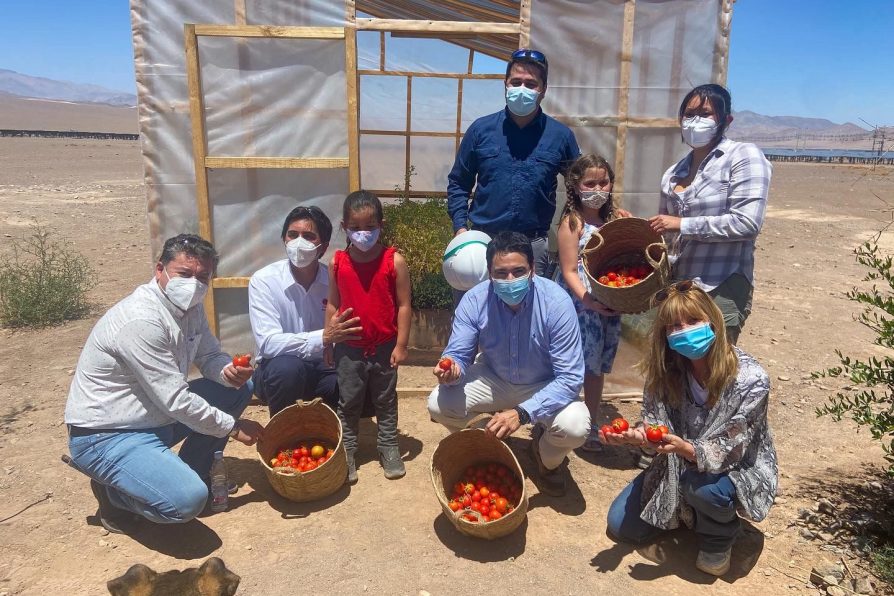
(805, 533)
(824, 536)
(862, 585)
(825, 506)
(835, 591)
(820, 571)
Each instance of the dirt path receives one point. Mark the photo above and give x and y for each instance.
(384, 537)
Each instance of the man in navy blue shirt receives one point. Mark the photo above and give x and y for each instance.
(511, 160)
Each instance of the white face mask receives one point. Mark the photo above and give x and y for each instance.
(594, 199)
(184, 292)
(302, 252)
(698, 131)
(364, 240)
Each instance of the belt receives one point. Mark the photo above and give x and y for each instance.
(530, 234)
(80, 431)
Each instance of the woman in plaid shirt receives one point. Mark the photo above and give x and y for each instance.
(712, 205)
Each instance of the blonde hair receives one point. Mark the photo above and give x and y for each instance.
(665, 370)
(573, 206)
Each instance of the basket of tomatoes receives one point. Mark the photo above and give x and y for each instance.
(479, 484)
(302, 451)
(626, 263)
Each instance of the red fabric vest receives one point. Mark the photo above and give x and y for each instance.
(370, 289)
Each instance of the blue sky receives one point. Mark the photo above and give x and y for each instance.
(814, 58)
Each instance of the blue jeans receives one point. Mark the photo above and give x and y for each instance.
(712, 496)
(141, 473)
(282, 380)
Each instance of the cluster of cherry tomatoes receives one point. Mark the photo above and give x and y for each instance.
(625, 276)
(655, 432)
(492, 490)
(303, 458)
(242, 360)
(617, 426)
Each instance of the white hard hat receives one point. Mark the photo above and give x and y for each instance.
(465, 260)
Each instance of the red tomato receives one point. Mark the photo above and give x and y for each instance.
(664, 429)
(242, 360)
(606, 429)
(484, 491)
(467, 501)
(303, 451)
(494, 514)
(654, 434)
(612, 276)
(454, 506)
(620, 425)
(501, 505)
(445, 363)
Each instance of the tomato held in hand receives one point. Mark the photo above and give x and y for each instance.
(654, 434)
(242, 360)
(445, 363)
(607, 429)
(620, 425)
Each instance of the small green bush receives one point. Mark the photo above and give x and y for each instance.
(421, 230)
(43, 283)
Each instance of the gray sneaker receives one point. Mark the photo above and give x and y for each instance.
(352, 468)
(714, 563)
(392, 463)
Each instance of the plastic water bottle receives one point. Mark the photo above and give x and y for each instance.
(219, 494)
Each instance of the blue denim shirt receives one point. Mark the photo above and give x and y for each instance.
(516, 171)
(541, 342)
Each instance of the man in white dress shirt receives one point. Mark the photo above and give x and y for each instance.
(130, 401)
(286, 304)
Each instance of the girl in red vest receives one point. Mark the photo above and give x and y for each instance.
(375, 282)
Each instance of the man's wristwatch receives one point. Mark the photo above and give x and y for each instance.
(523, 416)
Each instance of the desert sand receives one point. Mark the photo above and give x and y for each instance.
(389, 537)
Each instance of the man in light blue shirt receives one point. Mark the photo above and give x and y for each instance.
(530, 367)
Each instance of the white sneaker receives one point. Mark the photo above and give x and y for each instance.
(713, 563)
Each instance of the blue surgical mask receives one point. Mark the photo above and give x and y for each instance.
(521, 101)
(692, 342)
(364, 240)
(512, 291)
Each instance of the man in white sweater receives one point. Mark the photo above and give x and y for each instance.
(130, 400)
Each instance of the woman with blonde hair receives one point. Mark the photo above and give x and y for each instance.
(718, 460)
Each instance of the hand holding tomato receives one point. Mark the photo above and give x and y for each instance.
(674, 444)
(239, 371)
(628, 436)
(446, 370)
(242, 360)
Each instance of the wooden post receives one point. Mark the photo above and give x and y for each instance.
(199, 151)
(721, 42)
(459, 101)
(524, 23)
(409, 128)
(352, 86)
(624, 95)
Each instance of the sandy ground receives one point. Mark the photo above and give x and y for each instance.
(388, 537)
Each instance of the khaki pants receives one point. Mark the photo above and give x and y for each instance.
(454, 406)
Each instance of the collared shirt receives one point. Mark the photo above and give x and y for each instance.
(133, 369)
(722, 212)
(515, 169)
(285, 318)
(541, 342)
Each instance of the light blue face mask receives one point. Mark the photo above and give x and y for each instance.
(692, 342)
(512, 291)
(521, 101)
(364, 240)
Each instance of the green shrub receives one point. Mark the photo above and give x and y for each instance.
(421, 230)
(869, 399)
(42, 282)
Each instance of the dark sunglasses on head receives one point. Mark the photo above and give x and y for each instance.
(679, 287)
(530, 54)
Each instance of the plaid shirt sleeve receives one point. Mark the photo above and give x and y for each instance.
(743, 184)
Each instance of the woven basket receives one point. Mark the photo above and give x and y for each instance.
(622, 242)
(304, 422)
(453, 455)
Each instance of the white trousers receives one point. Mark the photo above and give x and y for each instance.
(484, 392)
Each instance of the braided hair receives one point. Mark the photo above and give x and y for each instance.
(573, 206)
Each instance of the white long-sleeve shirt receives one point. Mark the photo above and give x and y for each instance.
(132, 373)
(286, 318)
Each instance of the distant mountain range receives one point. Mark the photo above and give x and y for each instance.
(751, 126)
(15, 83)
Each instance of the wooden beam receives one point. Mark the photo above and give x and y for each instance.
(412, 133)
(437, 75)
(199, 150)
(381, 50)
(436, 26)
(277, 31)
(721, 42)
(353, 108)
(413, 194)
(524, 22)
(624, 94)
(459, 101)
(409, 129)
(229, 282)
(286, 163)
(631, 121)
